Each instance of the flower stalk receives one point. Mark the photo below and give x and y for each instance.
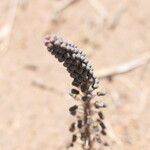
(88, 129)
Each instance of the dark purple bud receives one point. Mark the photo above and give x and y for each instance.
(72, 127)
(101, 116)
(74, 91)
(79, 124)
(74, 138)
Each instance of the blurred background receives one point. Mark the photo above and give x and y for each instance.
(34, 87)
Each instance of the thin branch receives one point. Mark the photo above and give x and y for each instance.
(65, 5)
(60, 9)
(5, 31)
(114, 20)
(99, 8)
(124, 68)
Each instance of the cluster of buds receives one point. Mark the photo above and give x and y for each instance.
(88, 127)
(75, 61)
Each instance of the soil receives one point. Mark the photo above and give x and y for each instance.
(34, 87)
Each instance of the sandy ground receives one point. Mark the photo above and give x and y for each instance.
(33, 86)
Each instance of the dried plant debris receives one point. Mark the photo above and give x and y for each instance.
(88, 129)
